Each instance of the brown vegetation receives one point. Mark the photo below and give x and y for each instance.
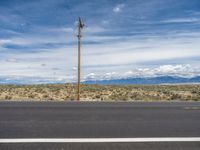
(64, 92)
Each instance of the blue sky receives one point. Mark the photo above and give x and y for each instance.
(122, 38)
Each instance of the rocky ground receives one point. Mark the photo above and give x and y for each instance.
(64, 92)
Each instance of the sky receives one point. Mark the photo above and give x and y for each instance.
(121, 39)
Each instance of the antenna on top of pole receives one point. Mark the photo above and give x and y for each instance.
(80, 27)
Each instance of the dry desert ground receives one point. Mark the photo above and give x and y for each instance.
(65, 92)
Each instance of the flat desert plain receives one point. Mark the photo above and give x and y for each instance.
(65, 92)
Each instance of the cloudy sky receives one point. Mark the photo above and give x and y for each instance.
(122, 38)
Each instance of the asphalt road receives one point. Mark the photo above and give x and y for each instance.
(99, 120)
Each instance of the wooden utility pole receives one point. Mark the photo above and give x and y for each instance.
(80, 27)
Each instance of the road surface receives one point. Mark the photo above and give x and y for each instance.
(99, 120)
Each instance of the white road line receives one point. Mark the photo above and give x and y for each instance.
(101, 140)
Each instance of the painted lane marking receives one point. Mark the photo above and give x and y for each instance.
(192, 108)
(101, 140)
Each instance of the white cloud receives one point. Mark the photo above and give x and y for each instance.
(113, 57)
(12, 60)
(180, 70)
(182, 20)
(74, 68)
(90, 76)
(108, 60)
(41, 35)
(118, 8)
(137, 51)
(164, 70)
(105, 22)
(3, 41)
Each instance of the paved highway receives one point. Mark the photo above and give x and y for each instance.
(99, 120)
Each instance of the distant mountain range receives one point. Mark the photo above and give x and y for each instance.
(149, 80)
(29, 80)
(142, 80)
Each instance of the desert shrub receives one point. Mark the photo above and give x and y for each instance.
(31, 96)
(194, 92)
(45, 96)
(175, 97)
(8, 97)
(98, 96)
(108, 92)
(196, 98)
